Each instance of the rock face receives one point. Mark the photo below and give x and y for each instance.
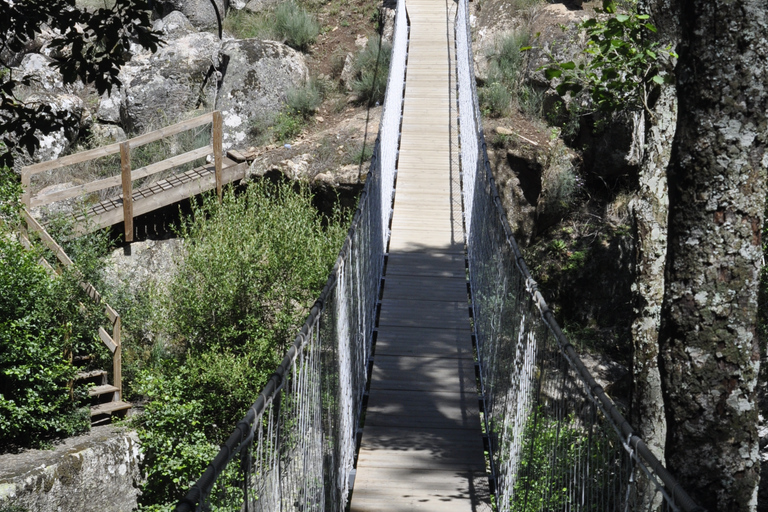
(174, 25)
(257, 77)
(98, 472)
(199, 12)
(168, 85)
(57, 143)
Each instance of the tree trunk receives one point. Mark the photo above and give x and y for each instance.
(717, 189)
(650, 216)
(650, 210)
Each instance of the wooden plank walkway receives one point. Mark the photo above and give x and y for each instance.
(422, 447)
(159, 194)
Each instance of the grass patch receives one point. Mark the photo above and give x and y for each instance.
(305, 100)
(244, 24)
(295, 25)
(372, 70)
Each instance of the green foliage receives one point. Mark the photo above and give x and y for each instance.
(90, 45)
(372, 71)
(253, 266)
(287, 124)
(622, 65)
(305, 100)
(551, 453)
(295, 25)
(40, 321)
(495, 99)
(504, 71)
(244, 24)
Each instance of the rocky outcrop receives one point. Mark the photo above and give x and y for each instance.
(174, 25)
(168, 85)
(257, 77)
(98, 472)
(69, 107)
(199, 12)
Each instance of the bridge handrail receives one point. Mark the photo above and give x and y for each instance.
(476, 166)
(331, 351)
(127, 175)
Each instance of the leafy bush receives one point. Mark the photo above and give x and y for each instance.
(43, 318)
(295, 25)
(623, 64)
(287, 125)
(254, 265)
(252, 268)
(372, 70)
(506, 61)
(40, 322)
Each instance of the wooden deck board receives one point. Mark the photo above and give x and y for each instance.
(422, 447)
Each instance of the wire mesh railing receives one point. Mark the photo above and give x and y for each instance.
(556, 440)
(295, 447)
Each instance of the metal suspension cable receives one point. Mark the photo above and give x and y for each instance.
(294, 449)
(557, 441)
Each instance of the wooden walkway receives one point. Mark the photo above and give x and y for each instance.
(422, 447)
(132, 202)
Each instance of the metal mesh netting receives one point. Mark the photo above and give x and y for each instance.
(557, 442)
(295, 447)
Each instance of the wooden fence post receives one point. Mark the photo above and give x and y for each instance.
(26, 181)
(218, 156)
(117, 359)
(125, 172)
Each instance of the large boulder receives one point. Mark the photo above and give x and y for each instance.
(174, 25)
(169, 84)
(199, 12)
(257, 77)
(57, 143)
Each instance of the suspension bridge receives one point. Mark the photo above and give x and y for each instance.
(430, 373)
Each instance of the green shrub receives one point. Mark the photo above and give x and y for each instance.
(43, 317)
(506, 61)
(531, 101)
(253, 266)
(372, 70)
(295, 25)
(304, 100)
(40, 322)
(243, 24)
(287, 125)
(495, 99)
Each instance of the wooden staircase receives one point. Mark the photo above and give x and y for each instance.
(106, 399)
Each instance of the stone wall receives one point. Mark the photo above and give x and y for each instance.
(97, 472)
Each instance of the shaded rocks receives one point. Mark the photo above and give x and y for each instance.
(174, 25)
(171, 83)
(64, 106)
(257, 77)
(199, 12)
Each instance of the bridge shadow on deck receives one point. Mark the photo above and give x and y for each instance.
(422, 447)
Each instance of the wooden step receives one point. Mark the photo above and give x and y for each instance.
(110, 407)
(93, 374)
(102, 390)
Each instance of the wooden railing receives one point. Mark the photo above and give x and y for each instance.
(111, 341)
(127, 175)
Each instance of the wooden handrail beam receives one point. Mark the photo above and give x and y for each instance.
(171, 130)
(115, 181)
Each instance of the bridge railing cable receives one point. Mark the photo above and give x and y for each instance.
(557, 441)
(295, 447)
